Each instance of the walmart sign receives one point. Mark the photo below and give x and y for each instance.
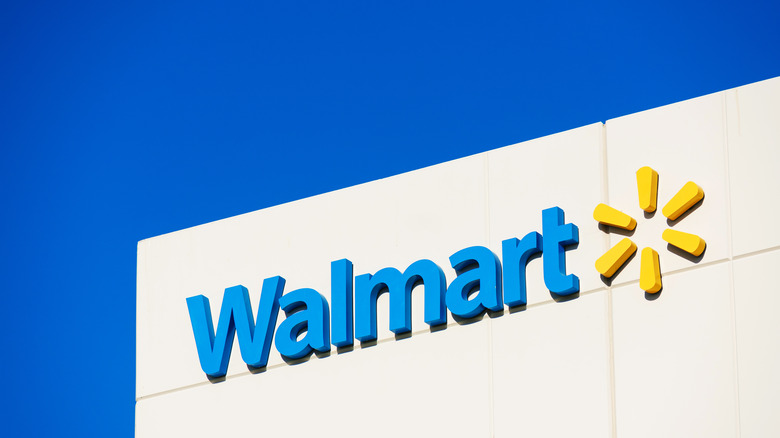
(477, 287)
(480, 284)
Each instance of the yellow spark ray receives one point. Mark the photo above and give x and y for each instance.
(650, 273)
(614, 258)
(688, 195)
(689, 243)
(616, 218)
(647, 185)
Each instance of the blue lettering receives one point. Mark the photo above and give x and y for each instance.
(477, 287)
(368, 287)
(341, 302)
(235, 315)
(556, 235)
(516, 255)
(478, 269)
(306, 310)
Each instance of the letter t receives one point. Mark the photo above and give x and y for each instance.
(556, 235)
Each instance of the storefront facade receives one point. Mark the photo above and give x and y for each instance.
(557, 348)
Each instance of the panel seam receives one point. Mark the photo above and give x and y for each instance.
(610, 320)
(491, 392)
(732, 295)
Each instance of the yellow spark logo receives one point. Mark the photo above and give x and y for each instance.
(650, 272)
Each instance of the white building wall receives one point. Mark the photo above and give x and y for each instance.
(697, 359)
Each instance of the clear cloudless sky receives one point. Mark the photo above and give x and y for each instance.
(120, 121)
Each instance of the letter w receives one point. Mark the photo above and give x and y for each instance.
(235, 315)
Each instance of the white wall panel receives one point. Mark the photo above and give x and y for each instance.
(756, 300)
(754, 157)
(674, 357)
(435, 384)
(551, 370)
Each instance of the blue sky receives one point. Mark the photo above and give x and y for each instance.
(120, 121)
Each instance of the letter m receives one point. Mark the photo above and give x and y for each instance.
(235, 315)
(399, 286)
